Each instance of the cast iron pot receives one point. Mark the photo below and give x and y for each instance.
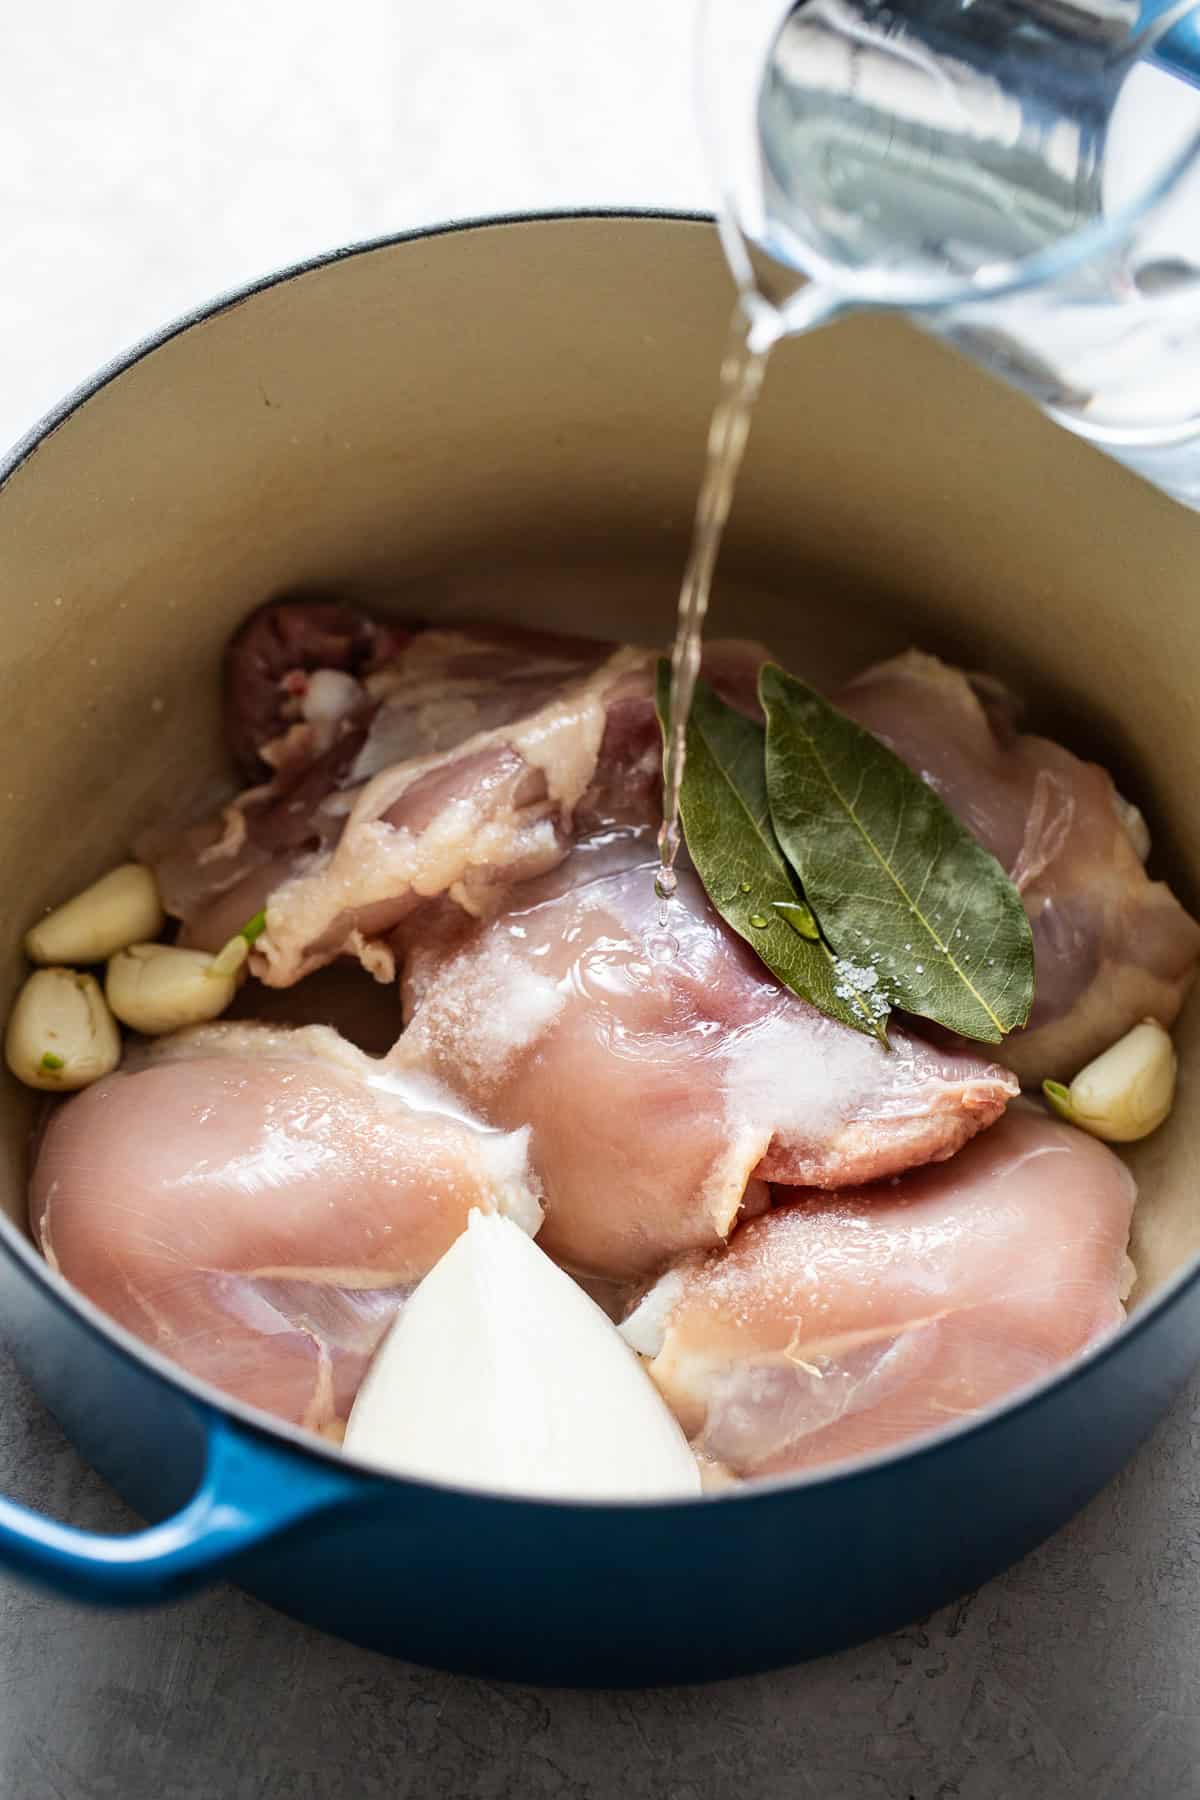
(509, 418)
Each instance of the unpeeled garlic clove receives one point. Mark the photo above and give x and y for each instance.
(122, 908)
(1127, 1092)
(61, 1036)
(156, 988)
(501, 1373)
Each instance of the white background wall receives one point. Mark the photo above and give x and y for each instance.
(154, 153)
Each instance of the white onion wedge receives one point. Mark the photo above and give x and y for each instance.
(501, 1373)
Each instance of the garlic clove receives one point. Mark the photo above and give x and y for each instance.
(61, 1036)
(156, 988)
(501, 1373)
(122, 908)
(1125, 1093)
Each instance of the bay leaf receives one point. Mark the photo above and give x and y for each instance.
(727, 829)
(898, 883)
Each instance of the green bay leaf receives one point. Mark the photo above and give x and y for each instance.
(896, 881)
(728, 832)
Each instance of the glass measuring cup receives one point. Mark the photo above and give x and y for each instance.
(1021, 176)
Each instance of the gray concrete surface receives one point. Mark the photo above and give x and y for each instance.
(1073, 1677)
(151, 156)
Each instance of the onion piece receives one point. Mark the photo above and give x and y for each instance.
(501, 1373)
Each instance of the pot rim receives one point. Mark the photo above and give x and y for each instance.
(763, 1490)
(229, 298)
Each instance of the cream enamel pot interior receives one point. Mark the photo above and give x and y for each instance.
(509, 419)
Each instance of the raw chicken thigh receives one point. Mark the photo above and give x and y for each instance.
(406, 765)
(1112, 947)
(840, 1324)
(664, 1094)
(255, 1204)
(448, 762)
(456, 765)
(476, 807)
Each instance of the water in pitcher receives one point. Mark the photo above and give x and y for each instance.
(1021, 176)
(1022, 180)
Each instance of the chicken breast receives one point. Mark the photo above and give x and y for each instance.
(841, 1324)
(256, 1204)
(666, 1083)
(1112, 946)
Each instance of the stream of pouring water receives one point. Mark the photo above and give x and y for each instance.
(754, 329)
(742, 369)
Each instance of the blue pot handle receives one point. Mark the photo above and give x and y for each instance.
(1178, 49)
(250, 1491)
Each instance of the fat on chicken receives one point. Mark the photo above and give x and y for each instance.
(406, 767)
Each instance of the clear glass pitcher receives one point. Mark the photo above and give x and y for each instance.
(1021, 176)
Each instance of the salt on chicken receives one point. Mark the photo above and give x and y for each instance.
(663, 1095)
(256, 1204)
(842, 1324)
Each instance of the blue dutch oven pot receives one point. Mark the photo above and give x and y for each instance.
(503, 401)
